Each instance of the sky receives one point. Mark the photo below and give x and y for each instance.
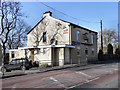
(87, 14)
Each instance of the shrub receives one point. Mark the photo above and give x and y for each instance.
(100, 55)
(117, 52)
(109, 49)
(36, 64)
(44, 65)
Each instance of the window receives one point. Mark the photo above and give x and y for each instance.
(85, 36)
(92, 39)
(86, 51)
(18, 61)
(12, 54)
(86, 41)
(92, 51)
(21, 61)
(44, 50)
(78, 53)
(59, 24)
(24, 60)
(52, 40)
(44, 37)
(26, 52)
(38, 51)
(78, 35)
(13, 62)
(78, 47)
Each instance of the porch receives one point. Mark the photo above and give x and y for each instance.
(54, 55)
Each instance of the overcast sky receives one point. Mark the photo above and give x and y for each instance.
(88, 14)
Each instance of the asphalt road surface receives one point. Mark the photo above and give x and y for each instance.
(104, 76)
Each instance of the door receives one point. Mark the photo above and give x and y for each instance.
(79, 60)
(56, 57)
(31, 57)
(67, 55)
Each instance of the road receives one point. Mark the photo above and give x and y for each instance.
(104, 76)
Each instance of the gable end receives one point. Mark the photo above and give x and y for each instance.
(35, 25)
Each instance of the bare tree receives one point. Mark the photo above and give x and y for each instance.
(37, 35)
(18, 37)
(10, 11)
(109, 36)
(54, 32)
(57, 29)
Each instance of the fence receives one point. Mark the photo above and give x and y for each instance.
(111, 57)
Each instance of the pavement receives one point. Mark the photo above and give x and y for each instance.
(37, 70)
(90, 76)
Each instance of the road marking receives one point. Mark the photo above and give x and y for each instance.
(84, 74)
(62, 85)
(13, 87)
(109, 71)
(87, 81)
(115, 69)
(53, 79)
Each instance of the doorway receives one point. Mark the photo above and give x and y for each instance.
(56, 56)
(67, 55)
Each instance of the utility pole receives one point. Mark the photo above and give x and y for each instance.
(119, 25)
(101, 36)
(119, 37)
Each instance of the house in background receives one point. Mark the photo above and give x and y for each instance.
(58, 42)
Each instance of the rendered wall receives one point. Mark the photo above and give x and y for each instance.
(55, 29)
(17, 54)
(43, 56)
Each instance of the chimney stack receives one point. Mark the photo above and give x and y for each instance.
(48, 13)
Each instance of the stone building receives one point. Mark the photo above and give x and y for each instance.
(58, 42)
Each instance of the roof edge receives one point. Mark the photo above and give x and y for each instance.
(66, 22)
(83, 28)
(76, 25)
(35, 25)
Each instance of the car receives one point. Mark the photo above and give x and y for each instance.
(16, 64)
